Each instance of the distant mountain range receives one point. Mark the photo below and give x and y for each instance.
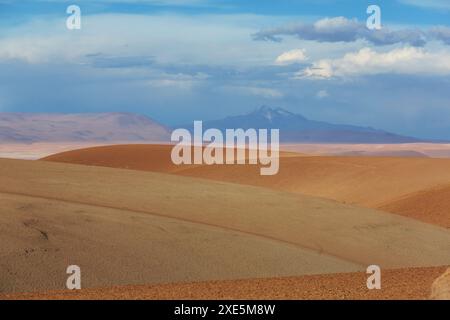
(129, 127)
(296, 128)
(83, 127)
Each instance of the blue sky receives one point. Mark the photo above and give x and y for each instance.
(177, 61)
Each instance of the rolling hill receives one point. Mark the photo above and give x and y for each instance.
(133, 227)
(83, 127)
(384, 183)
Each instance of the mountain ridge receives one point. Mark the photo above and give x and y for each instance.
(297, 128)
(130, 127)
(79, 127)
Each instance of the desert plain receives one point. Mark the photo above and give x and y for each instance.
(140, 227)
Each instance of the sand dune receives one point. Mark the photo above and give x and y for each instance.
(40, 238)
(146, 157)
(399, 153)
(429, 205)
(391, 184)
(433, 150)
(107, 220)
(413, 283)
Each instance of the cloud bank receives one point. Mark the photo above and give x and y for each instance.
(292, 56)
(408, 60)
(341, 29)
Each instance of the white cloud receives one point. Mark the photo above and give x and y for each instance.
(210, 39)
(341, 29)
(264, 92)
(407, 60)
(178, 81)
(292, 56)
(321, 94)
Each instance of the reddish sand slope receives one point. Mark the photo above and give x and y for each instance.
(432, 150)
(431, 205)
(412, 283)
(144, 157)
(133, 227)
(391, 184)
(131, 156)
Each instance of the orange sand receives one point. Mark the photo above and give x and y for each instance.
(413, 187)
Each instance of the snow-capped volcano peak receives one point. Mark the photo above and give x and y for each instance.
(272, 113)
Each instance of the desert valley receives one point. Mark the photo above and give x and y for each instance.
(141, 227)
(225, 150)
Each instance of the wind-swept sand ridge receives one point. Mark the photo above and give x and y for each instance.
(382, 183)
(143, 157)
(430, 205)
(412, 283)
(357, 235)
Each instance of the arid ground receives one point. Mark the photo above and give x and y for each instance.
(397, 284)
(142, 228)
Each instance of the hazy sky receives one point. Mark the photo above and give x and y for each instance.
(177, 61)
